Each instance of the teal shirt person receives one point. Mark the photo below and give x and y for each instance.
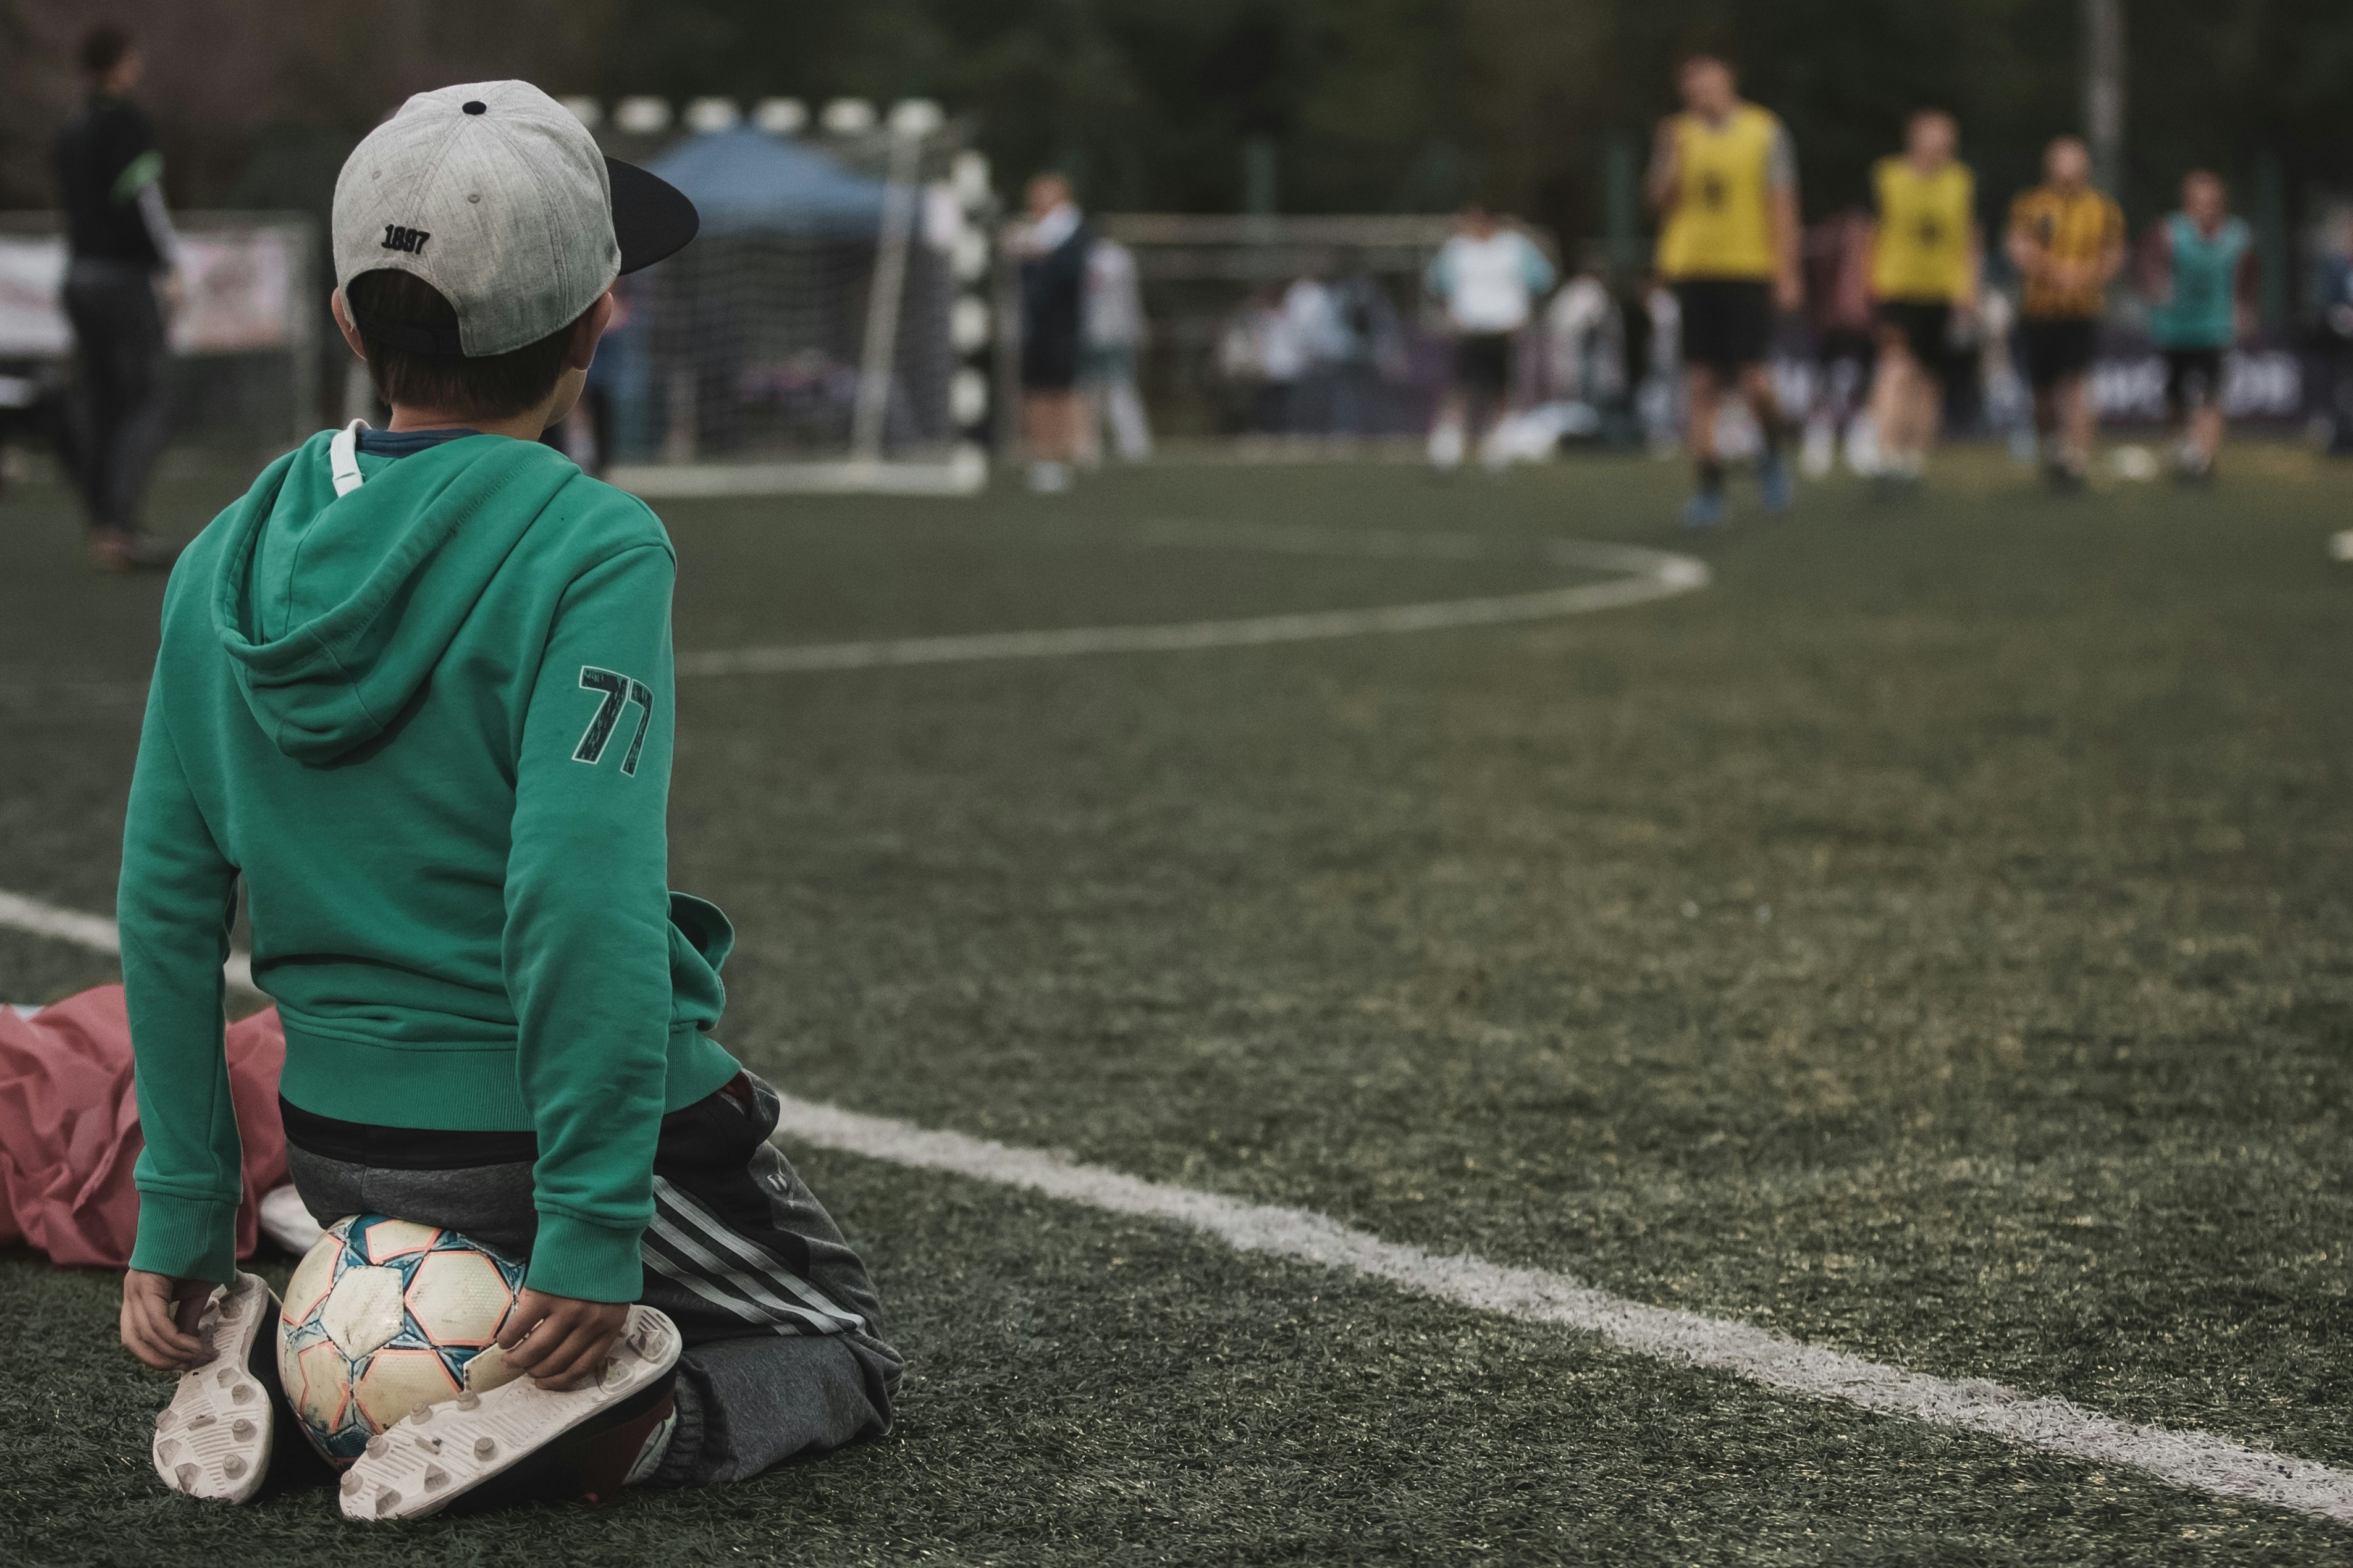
(2200, 310)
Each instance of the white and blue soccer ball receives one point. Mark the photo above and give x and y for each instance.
(386, 1315)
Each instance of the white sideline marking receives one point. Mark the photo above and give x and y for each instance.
(1650, 575)
(2198, 1461)
(2194, 1460)
(21, 913)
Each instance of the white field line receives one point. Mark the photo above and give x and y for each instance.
(1649, 574)
(2195, 1461)
(18, 912)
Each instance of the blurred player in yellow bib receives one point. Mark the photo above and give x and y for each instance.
(1723, 177)
(2068, 240)
(1926, 255)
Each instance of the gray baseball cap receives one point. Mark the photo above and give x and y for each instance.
(496, 195)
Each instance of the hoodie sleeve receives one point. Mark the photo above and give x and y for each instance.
(586, 946)
(174, 905)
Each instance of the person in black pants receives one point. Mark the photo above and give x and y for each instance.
(1053, 250)
(110, 175)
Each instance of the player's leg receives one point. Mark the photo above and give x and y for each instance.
(1709, 369)
(784, 1349)
(2201, 403)
(98, 413)
(1703, 402)
(1131, 429)
(1928, 343)
(1892, 400)
(1446, 429)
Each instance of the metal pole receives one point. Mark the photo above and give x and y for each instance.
(2103, 92)
(883, 303)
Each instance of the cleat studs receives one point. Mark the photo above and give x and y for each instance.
(167, 1420)
(386, 1501)
(350, 1482)
(484, 1448)
(207, 1419)
(241, 1429)
(233, 1467)
(377, 1445)
(227, 1375)
(469, 1400)
(241, 1394)
(430, 1445)
(435, 1478)
(187, 1478)
(168, 1450)
(421, 1415)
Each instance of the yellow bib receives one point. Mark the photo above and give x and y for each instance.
(1922, 250)
(1720, 226)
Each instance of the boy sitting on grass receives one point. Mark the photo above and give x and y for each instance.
(415, 690)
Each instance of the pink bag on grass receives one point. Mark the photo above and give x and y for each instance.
(69, 1126)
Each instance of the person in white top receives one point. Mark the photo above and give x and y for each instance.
(1116, 331)
(1488, 278)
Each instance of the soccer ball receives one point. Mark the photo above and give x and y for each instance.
(382, 1316)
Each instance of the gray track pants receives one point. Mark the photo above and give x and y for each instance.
(785, 1351)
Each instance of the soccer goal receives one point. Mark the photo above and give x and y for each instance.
(1289, 327)
(829, 328)
(245, 333)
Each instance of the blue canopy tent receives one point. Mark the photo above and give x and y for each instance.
(749, 340)
(752, 182)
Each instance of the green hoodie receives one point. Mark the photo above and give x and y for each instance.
(428, 723)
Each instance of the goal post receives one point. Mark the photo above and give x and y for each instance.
(820, 335)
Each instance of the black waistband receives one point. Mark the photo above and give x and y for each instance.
(402, 1147)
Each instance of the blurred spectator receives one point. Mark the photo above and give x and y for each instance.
(2335, 288)
(1053, 249)
(1115, 332)
(2198, 271)
(1312, 321)
(109, 179)
(1487, 279)
(1839, 308)
(1585, 344)
(1370, 351)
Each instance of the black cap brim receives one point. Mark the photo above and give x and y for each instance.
(651, 217)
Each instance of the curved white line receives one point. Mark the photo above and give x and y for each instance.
(1650, 575)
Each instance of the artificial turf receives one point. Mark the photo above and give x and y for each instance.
(1928, 941)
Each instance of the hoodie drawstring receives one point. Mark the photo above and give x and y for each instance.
(344, 458)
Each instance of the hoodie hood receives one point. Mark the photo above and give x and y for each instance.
(335, 610)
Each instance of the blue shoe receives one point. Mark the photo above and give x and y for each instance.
(1704, 510)
(1774, 484)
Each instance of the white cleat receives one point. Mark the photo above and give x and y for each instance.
(213, 1440)
(441, 1452)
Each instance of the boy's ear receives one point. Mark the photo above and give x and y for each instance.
(343, 324)
(587, 332)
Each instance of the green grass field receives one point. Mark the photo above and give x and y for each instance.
(1930, 941)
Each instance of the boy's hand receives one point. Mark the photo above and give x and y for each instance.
(561, 1342)
(159, 1315)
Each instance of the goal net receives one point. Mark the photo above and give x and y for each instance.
(1288, 328)
(244, 337)
(819, 334)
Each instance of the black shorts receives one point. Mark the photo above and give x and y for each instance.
(1728, 322)
(1925, 326)
(1482, 364)
(1838, 343)
(1049, 357)
(2057, 348)
(2193, 379)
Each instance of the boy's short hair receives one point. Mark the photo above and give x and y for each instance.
(492, 386)
(102, 48)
